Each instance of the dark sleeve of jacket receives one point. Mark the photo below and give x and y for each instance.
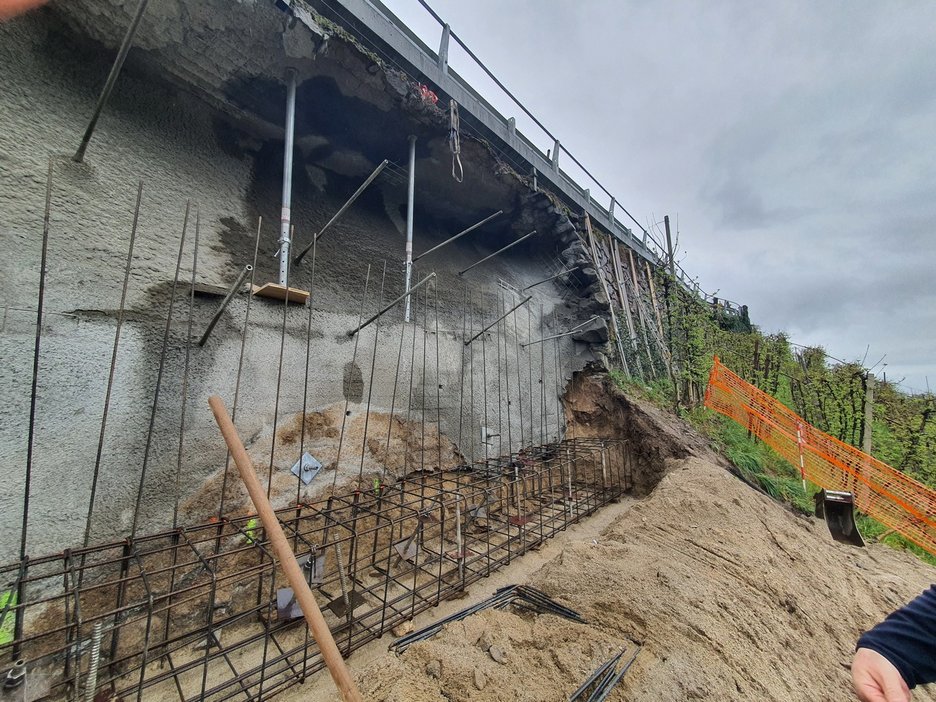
(907, 638)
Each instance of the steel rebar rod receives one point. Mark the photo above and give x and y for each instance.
(111, 80)
(305, 381)
(91, 680)
(225, 302)
(34, 391)
(185, 374)
(396, 380)
(159, 374)
(279, 381)
(459, 235)
(499, 251)
(388, 307)
(344, 207)
(237, 380)
(565, 333)
(370, 382)
(113, 365)
(344, 416)
(553, 277)
(503, 316)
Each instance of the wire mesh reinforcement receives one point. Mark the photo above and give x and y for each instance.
(203, 613)
(884, 493)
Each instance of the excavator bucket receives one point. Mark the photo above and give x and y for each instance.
(838, 509)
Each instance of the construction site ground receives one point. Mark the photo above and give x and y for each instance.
(732, 596)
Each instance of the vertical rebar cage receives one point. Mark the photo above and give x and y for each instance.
(203, 612)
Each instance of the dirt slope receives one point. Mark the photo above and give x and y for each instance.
(733, 597)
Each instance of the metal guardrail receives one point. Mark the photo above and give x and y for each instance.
(421, 60)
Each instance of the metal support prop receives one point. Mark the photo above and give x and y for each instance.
(238, 284)
(459, 235)
(499, 251)
(552, 277)
(111, 80)
(285, 217)
(566, 333)
(344, 207)
(507, 313)
(410, 193)
(407, 295)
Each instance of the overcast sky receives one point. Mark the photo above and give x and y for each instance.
(795, 140)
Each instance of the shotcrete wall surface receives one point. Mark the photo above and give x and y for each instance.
(184, 150)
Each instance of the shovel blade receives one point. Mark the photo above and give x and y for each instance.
(838, 508)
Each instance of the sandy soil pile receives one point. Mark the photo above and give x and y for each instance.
(733, 597)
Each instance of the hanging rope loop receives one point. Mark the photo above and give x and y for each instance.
(458, 173)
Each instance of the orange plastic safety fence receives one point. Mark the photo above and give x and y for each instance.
(891, 497)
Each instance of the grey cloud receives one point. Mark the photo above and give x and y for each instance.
(796, 140)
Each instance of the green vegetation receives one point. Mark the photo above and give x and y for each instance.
(828, 393)
(756, 461)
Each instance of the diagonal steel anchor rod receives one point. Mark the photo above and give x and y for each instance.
(499, 251)
(344, 207)
(459, 235)
(413, 289)
(508, 312)
(565, 333)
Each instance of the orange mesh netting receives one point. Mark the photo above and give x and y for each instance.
(891, 497)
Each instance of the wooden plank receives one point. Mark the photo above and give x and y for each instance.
(664, 351)
(279, 292)
(625, 302)
(604, 285)
(653, 298)
(640, 312)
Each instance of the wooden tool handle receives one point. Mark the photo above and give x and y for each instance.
(285, 555)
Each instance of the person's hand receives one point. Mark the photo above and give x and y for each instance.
(876, 679)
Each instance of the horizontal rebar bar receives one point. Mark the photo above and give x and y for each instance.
(499, 251)
(459, 235)
(387, 308)
(344, 207)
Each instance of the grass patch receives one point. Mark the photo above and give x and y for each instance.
(658, 392)
(757, 462)
(872, 531)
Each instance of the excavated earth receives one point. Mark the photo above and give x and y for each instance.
(731, 595)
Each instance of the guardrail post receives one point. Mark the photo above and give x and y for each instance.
(443, 49)
(512, 127)
(555, 155)
(611, 214)
(588, 197)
